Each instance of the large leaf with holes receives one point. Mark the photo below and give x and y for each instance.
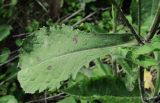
(102, 86)
(51, 55)
(148, 11)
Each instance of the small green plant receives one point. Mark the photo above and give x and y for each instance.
(59, 53)
(114, 60)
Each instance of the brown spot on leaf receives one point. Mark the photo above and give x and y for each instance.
(32, 79)
(47, 81)
(38, 59)
(75, 39)
(49, 67)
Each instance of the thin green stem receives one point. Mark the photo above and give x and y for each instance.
(141, 83)
(157, 81)
(157, 85)
(114, 23)
(154, 25)
(141, 69)
(114, 66)
(127, 22)
(139, 17)
(114, 20)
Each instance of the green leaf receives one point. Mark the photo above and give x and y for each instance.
(147, 48)
(34, 25)
(145, 61)
(139, 54)
(156, 38)
(19, 42)
(148, 12)
(123, 57)
(4, 55)
(8, 99)
(68, 100)
(87, 72)
(102, 69)
(131, 73)
(56, 53)
(88, 1)
(102, 86)
(4, 31)
(109, 99)
(13, 2)
(84, 101)
(157, 83)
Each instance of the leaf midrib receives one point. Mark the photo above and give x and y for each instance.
(83, 50)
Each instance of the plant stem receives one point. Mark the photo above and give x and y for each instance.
(114, 23)
(114, 66)
(11, 59)
(85, 18)
(55, 98)
(72, 15)
(43, 7)
(127, 22)
(139, 17)
(141, 83)
(141, 69)
(154, 25)
(157, 86)
(114, 20)
(9, 78)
